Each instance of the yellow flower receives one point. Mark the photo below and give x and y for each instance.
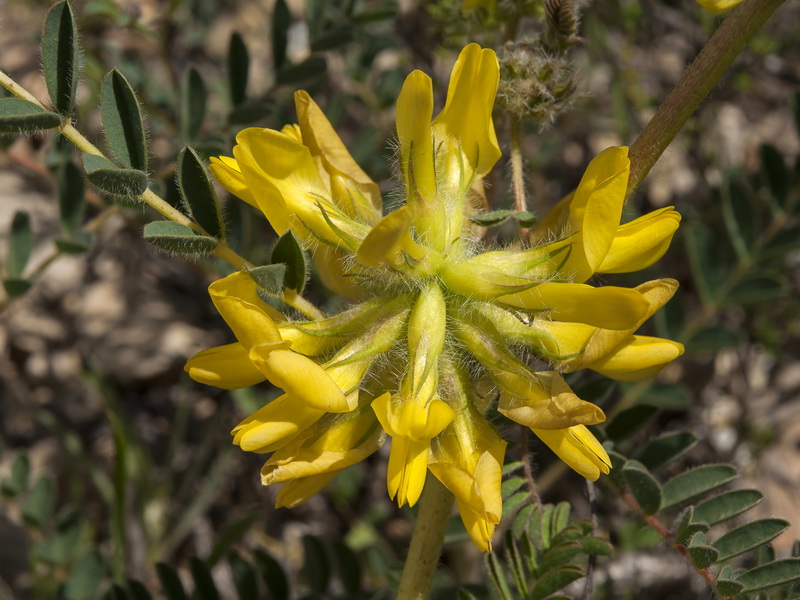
(435, 316)
(577, 447)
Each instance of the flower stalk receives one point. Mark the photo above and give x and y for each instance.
(426, 542)
(694, 86)
(517, 170)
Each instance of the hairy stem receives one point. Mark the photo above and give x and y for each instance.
(517, 175)
(668, 538)
(695, 84)
(426, 542)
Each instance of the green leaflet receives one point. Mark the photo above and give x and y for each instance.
(123, 124)
(198, 193)
(177, 238)
(18, 115)
(61, 57)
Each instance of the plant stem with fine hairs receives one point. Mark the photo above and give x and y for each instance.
(710, 65)
(426, 541)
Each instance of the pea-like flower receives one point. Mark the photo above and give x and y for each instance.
(440, 329)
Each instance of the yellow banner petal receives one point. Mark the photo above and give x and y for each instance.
(249, 317)
(479, 528)
(226, 367)
(321, 138)
(226, 170)
(408, 466)
(560, 408)
(577, 447)
(390, 243)
(595, 211)
(417, 157)
(274, 425)
(297, 491)
(640, 358)
(414, 113)
(609, 307)
(656, 293)
(283, 177)
(410, 419)
(465, 124)
(333, 443)
(301, 378)
(468, 458)
(642, 242)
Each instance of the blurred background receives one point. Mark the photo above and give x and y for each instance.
(112, 460)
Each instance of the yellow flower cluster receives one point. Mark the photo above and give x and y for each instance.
(439, 327)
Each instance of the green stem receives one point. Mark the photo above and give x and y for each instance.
(426, 542)
(709, 66)
(19, 91)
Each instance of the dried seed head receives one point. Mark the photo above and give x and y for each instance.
(535, 84)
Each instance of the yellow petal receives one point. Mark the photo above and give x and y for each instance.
(249, 317)
(578, 448)
(274, 425)
(390, 243)
(468, 459)
(564, 341)
(479, 528)
(266, 195)
(411, 419)
(298, 491)
(718, 6)
(608, 306)
(414, 112)
(321, 138)
(331, 269)
(408, 466)
(488, 479)
(595, 211)
(333, 443)
(300, 377)
(227, 367)
(640, 358)
(465, 124)
(285, 182)
(549, 404)
(226, 170)
(656, 293)
(640, 243)
(293, 131)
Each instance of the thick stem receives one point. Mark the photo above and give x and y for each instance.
(709, 66)
(426, 541)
